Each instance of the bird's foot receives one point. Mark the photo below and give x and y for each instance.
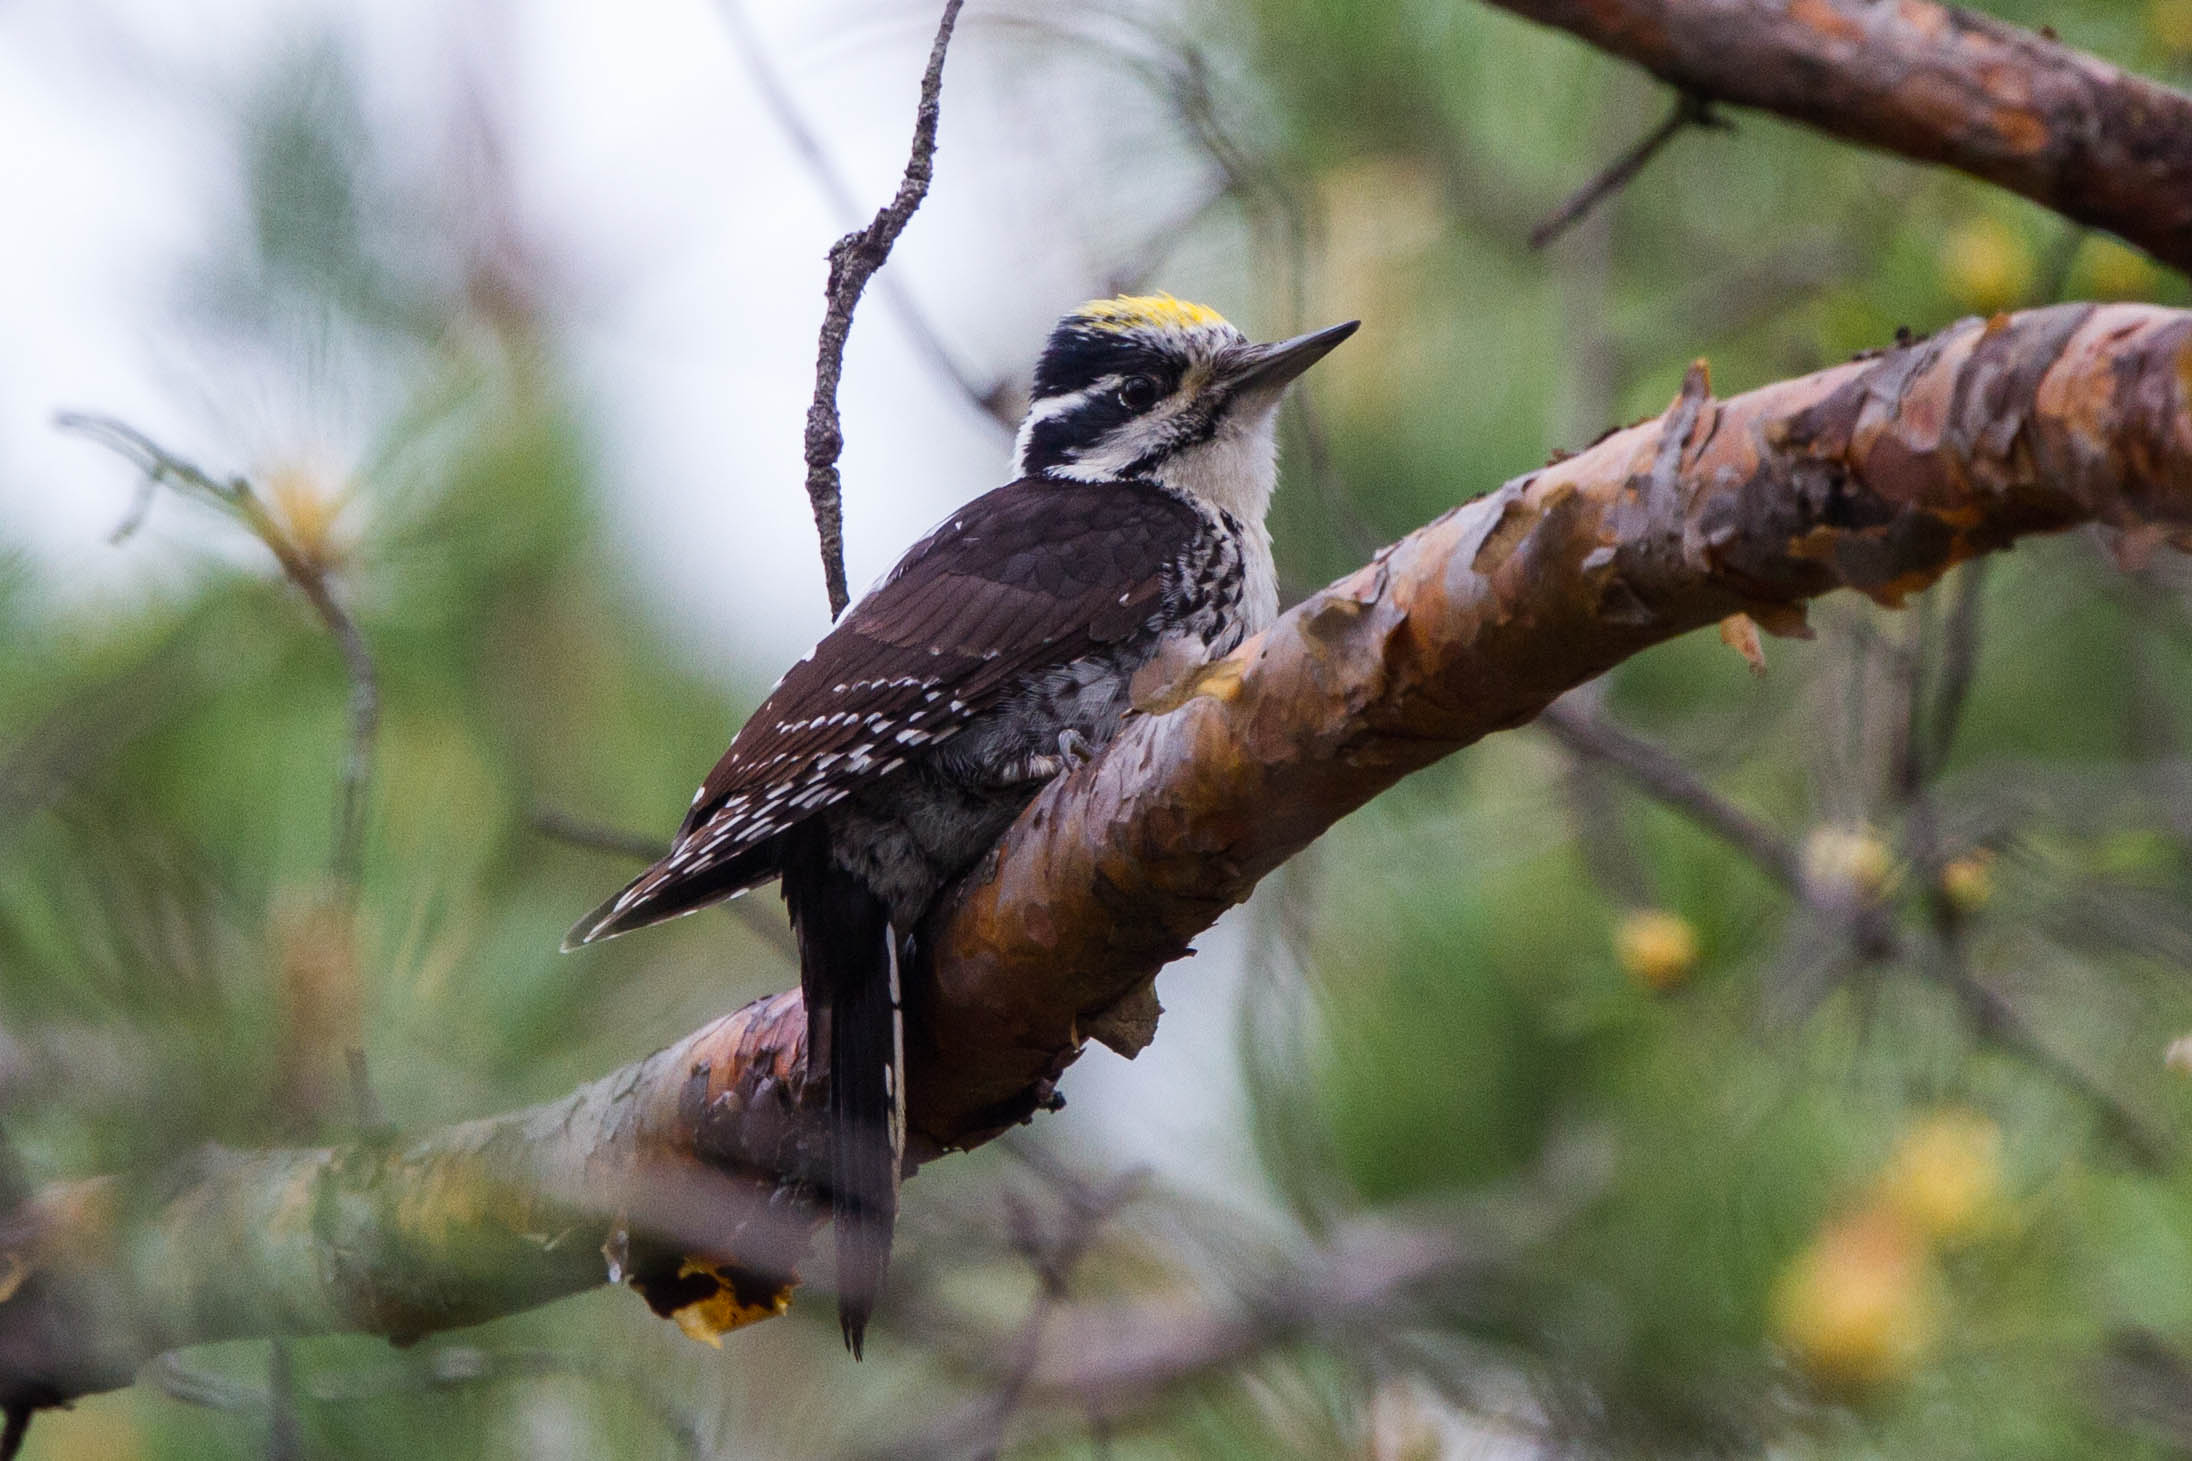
(1074, 749)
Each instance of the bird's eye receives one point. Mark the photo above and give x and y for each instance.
(1138, 394)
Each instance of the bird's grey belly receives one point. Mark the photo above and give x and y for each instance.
(912, 833)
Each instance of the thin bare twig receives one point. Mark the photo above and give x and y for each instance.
(1998, 1020)
(853, 261)
(1959, 664)
(617, 842)
(1674, 784)
(140, 507)
(1053, 1255)
(284, 1436)
(777, 97)
(371, 1115)
(1612, 862)
(593, 836)
(1690, 110)
(1928, 731)
(235, 498)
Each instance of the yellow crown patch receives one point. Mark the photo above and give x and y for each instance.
(1146, 312)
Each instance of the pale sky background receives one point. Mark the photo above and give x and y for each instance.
(683, 242)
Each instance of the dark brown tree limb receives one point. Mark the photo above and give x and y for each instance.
(1878, 475)
(1932, 83)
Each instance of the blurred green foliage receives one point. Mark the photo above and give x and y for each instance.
(1714, 1139)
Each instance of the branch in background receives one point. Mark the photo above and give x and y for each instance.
(1282, 219)
(1109, 1362)
(1664, 778)
(284, 1438)
(2022, 111)
(1870, 924)
(690, 1169)
(80, 736)
(853, 261)
(447, 1367)
(20, 1403)
(1690, 110)
(304, 565)
(1959, 667)
(615, 1182)
(2146, 1383)
(1588, 786)
(1369, 1276)
(319, 968)
(572, 832)
(1275, 203)
(1053, 1249)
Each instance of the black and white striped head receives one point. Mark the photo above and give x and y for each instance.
(1156, 388)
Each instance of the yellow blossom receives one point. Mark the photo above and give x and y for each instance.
(1657, 949)
(1847, 861)
(1986, 265)
(1857, 1306)
(1945, 1174)
(1968, 881)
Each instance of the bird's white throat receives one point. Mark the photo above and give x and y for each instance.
(1235, 471)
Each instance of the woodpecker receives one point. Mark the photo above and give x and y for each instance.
(996, 654)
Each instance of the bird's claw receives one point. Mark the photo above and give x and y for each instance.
(1074, 749)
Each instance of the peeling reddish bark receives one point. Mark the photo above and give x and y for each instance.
(1878, 475)
(1932, 83)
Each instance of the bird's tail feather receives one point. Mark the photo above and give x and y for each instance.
(667, 891)
(850, 959)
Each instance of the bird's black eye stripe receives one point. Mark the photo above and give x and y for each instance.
(1076, 359)
(1139, 393)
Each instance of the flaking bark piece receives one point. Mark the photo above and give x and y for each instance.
(1130, 1025)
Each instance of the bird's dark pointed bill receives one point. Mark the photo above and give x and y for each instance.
(1267, 367)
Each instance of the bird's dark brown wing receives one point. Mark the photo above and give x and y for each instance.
(1037, 573)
